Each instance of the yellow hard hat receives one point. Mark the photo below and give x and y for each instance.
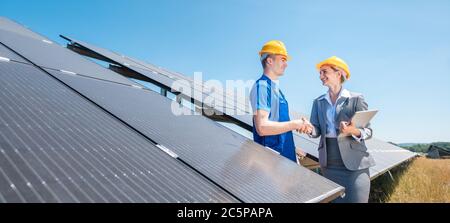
(335, 61)
(274, 47)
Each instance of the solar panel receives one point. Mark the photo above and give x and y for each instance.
(236, 104)
(164, 77)
(12, 26)
(386, 156)
(249, 171)
(165, 81)
(187, 90)
(56, 146)
(57, 57)
(111, 55)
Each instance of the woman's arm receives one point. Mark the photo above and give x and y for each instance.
(366, 133)
(314, 119)
(359, 134)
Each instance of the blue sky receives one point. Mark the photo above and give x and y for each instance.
(398, 51)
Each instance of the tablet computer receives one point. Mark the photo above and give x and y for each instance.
(362, 118)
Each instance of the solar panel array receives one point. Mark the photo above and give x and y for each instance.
(73, 131)
(220, 154)
(58, 147)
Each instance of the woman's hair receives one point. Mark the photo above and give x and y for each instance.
(343, 79)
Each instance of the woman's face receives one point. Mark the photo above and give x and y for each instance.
(329, 76)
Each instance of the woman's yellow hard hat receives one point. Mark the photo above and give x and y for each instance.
(274, 47)
(335, 61)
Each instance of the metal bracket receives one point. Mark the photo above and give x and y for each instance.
(5, 59)
(168, 151)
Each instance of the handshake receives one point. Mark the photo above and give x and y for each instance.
(303, 126)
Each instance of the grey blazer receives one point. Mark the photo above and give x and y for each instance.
(354, 154)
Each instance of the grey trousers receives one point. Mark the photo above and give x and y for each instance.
(356, 183)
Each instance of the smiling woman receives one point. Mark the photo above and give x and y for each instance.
(343, 155)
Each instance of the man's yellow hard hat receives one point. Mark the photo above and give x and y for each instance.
(274, 47)
(335, 61)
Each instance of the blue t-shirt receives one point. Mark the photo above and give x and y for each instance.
(266, 95)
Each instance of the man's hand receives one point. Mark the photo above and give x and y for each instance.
(305, 127)
(297, 123)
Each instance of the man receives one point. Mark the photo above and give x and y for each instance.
(272, 126)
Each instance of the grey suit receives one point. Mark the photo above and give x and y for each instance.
(344, 159)
(354, 154)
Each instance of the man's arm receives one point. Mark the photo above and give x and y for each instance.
(260, 98)
(265, 127)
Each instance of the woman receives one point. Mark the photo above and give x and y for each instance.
(343, 154)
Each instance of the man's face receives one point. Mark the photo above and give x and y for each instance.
(278, 64)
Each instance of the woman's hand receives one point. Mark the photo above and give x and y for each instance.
(306, 127)
(310, 127)
(349, 129)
